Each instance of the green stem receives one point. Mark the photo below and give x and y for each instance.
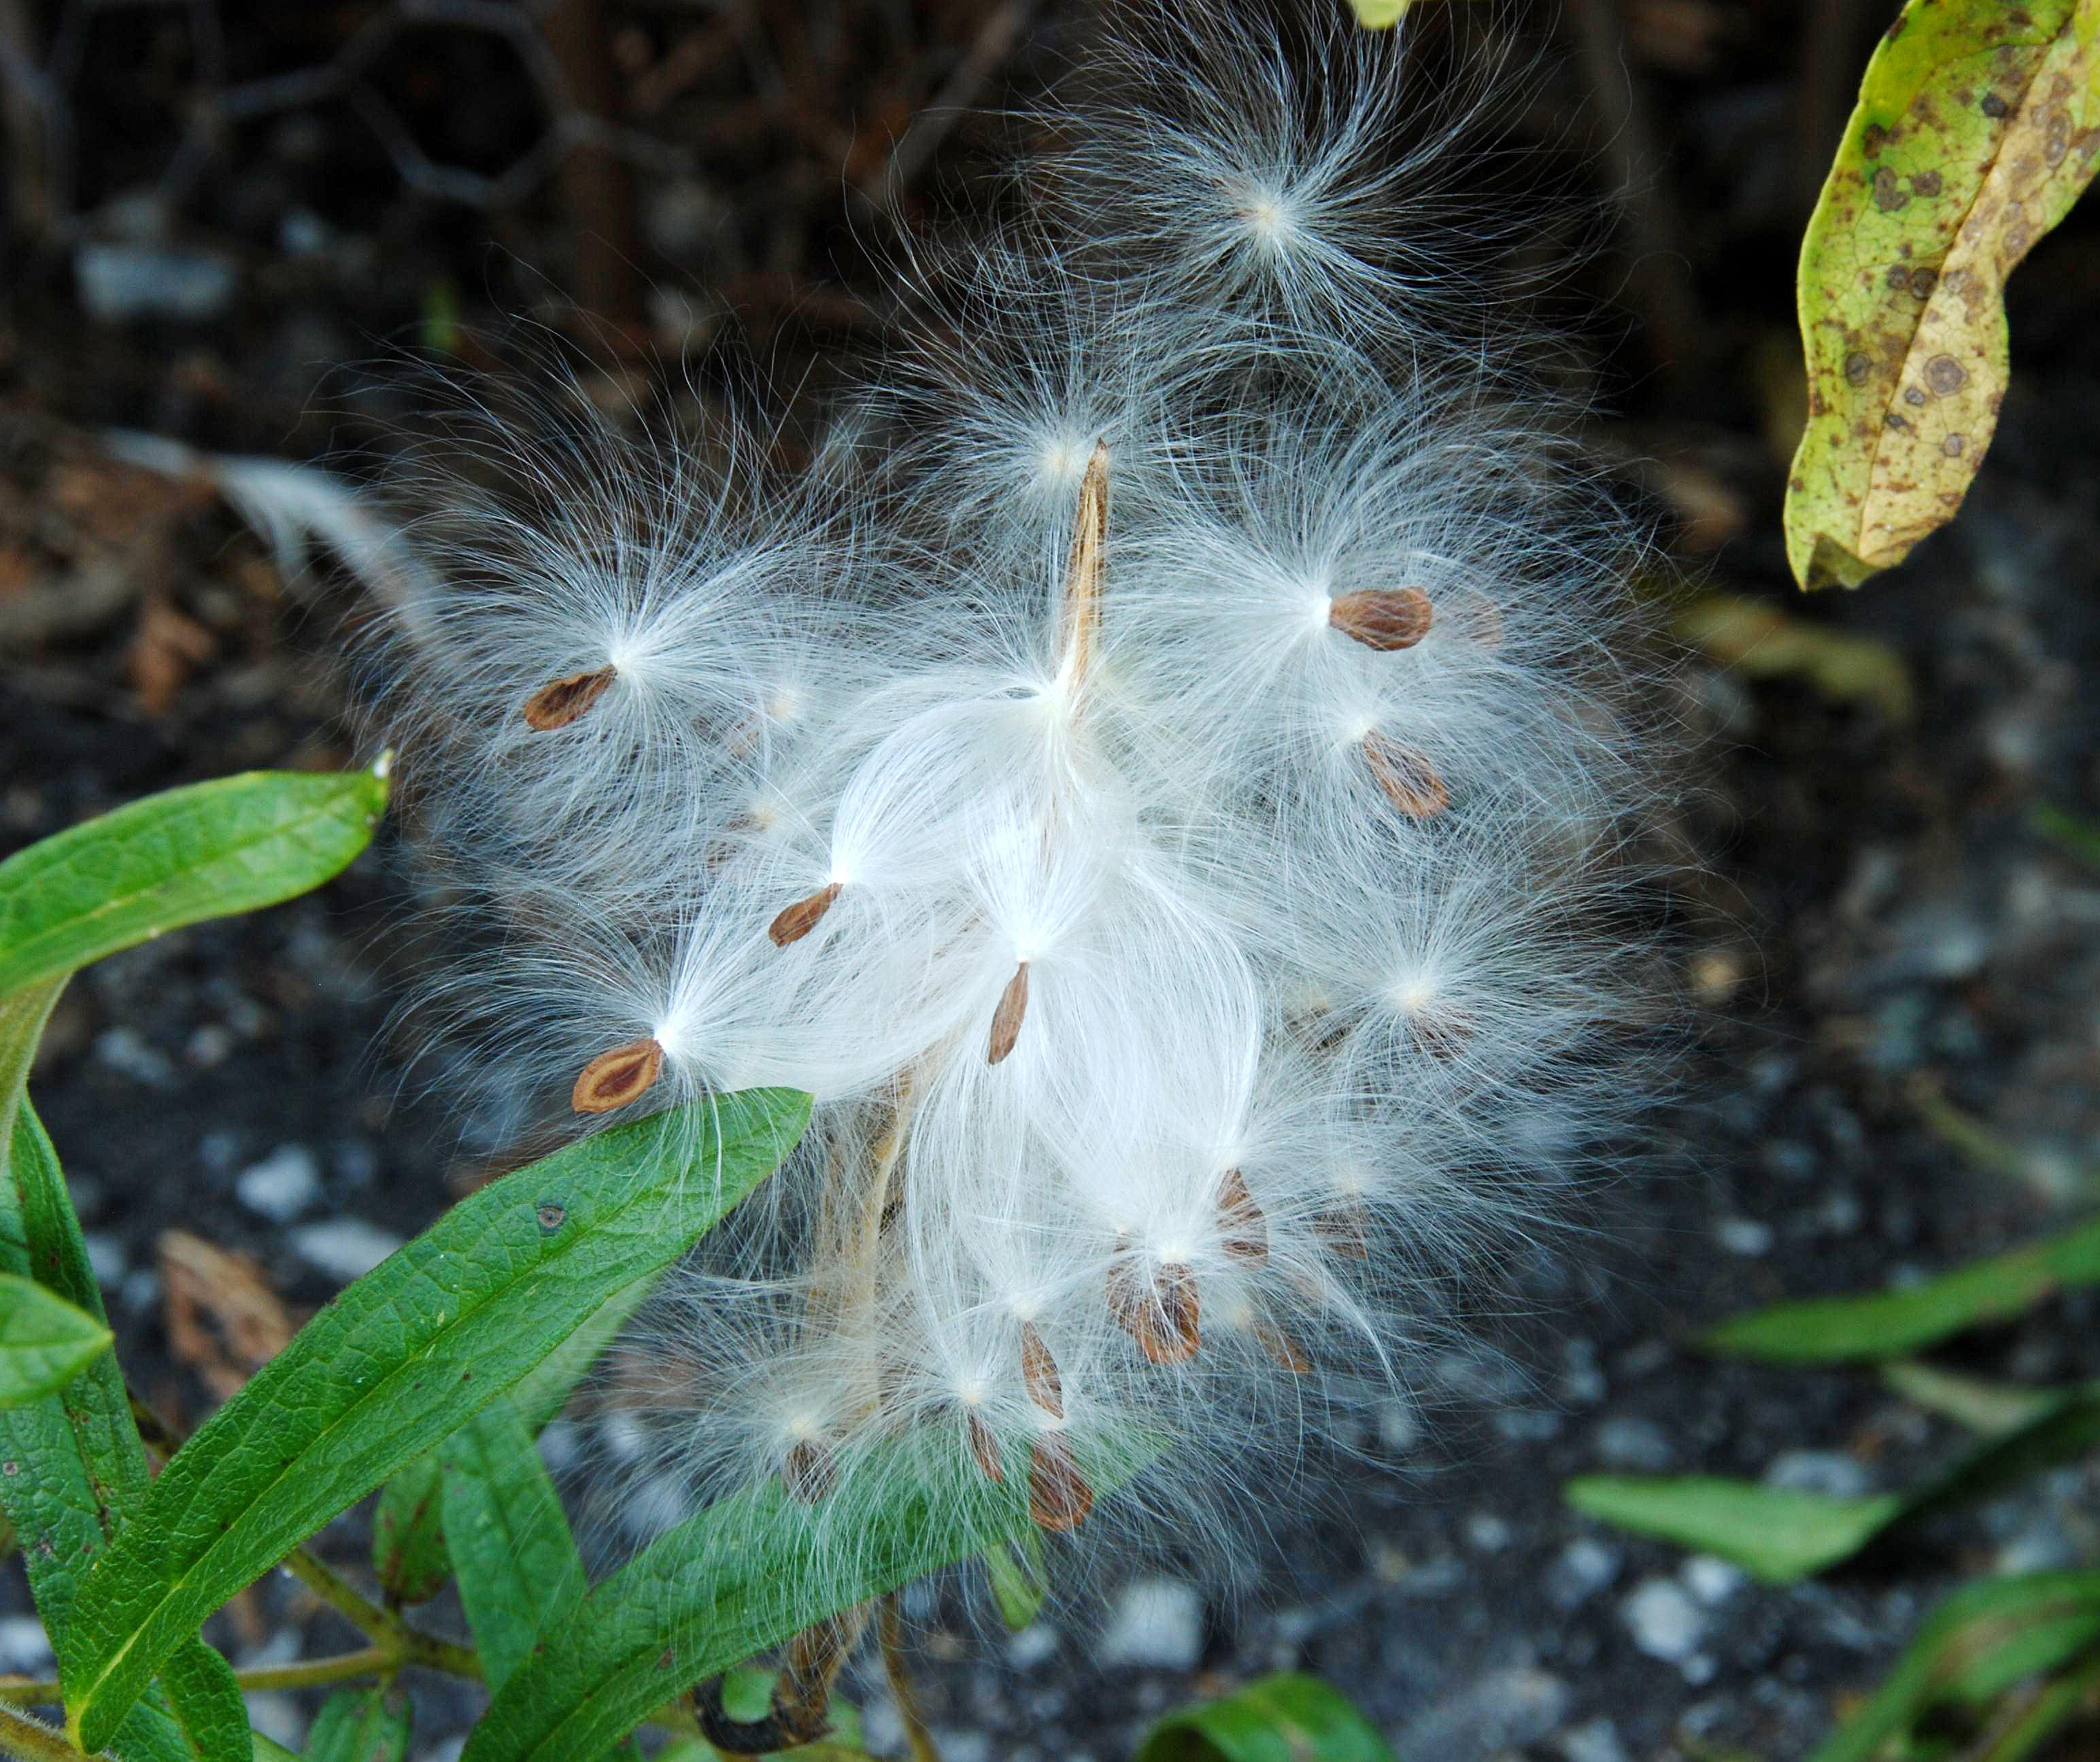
(31, 1740)
(308, 1673)
(393, 1637)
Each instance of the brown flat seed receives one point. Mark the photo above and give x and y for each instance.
(1243, 1231)
(1407, 777)
(1159, 1309)
(614, 1079)
(1282, 1348)
(1038, 1373)
(985, 1448)
(1385, 619)
(808, 1473)
(1345, 1228)
(1058, 1495)
(796, 921)
(560, 702)
(1006, 1019)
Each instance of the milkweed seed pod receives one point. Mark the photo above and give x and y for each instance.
(1161, 788)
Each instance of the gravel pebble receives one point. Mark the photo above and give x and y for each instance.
(1584, 1568)
(24, 1649)
(283, 1185)
(344, 1248)
(1157, 1623)
(1664, 1621)
(1640, 1445)
(1597, 1740)
(1829, 1472)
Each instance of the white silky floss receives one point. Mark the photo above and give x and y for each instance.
(1162, 784)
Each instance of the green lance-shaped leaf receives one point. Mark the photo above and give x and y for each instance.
(1974, 133)
(398, 1362)
(44, 1341)
(1780, 1534)
(1285, 1718)
(201, 852)
(408, 1551)
(361, 1725)
(206, 1703)
(519, 1574)
(1886, 1324)
(1981, 1642)
(746, 1574)
(1020, 1579)
(1776, 1533)
(71, 1463)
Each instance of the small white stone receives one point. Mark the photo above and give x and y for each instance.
(1596, 1741)
(1034, 1644)
(24, 1649)
(1745, 1236)
(129, 1053)
(1664, 1621)
(1157, 1623)
(106, 1255)
(1827, 1472)
(1585, 1567)
(344, 1248)
(1487, 1533)
(1710, 1579)
(283, 1185)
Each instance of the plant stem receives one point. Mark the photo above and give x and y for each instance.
(31, 1741)
(898, 1668)
(308, 1673)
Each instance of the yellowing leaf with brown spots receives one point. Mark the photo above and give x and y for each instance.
(1975, 132)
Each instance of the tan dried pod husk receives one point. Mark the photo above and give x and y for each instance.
(808, 1472)
(1344, 1228)
(1283, 1351)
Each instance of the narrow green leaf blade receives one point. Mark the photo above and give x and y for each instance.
(2062, 1432)
(1886, 1324)
(409, 1553)
(44, 1341)
(740, 1576)
(206, 1703)
(519, 1572)
(1776, 1533)
(72, 1460)
(1019, 1581)
(1284, 1718)
(360, 1725)
(1990, 1408)
(204, 851)
(1982, 1639)
(543, 1392)
(400, 1361)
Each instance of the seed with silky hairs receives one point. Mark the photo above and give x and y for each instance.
(1345, 1228)
(1038, 1373)
(1442, 1033)
(1384, 619)
(796, 921)
(1006, 1019)
(1058, 1497)
(614, 1079)
(1282, 1348)
(808, 1473)
(560, 702)
(1159, 1309)
(1407, 777)
(985, 1448)
(1243, 1231)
